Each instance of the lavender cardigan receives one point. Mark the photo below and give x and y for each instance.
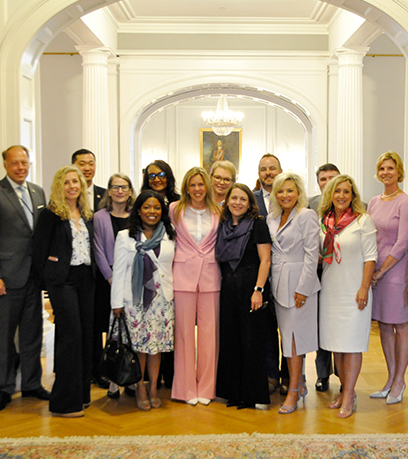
(104, 242)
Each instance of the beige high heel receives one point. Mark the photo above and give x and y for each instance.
(343, 413)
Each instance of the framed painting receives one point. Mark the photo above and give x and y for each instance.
(214, 148)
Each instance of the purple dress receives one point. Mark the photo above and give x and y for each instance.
(391, 221)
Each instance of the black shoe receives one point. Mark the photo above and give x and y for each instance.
(243, 405)
(130, 392)
(5, 399)
(114, 394)
(231, 403)
(39, 393)
(100, 381)
(322, 384)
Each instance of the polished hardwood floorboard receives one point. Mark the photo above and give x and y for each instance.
(30, 417)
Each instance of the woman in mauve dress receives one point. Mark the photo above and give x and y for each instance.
(389, 212)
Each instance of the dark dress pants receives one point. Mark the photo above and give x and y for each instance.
(22, 308)
(73, 305)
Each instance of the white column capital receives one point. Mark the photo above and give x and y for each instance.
(93, 56)
(352, 57)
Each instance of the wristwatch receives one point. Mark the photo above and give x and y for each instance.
(258, 289)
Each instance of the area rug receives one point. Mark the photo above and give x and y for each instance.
(255, 446)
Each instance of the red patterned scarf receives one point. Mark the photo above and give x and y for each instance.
(330, 229)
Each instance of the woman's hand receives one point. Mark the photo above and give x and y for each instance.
(118, 312)
(256, 300)
(300, 300)
(377, 276)
(362, 298)
(110, 281)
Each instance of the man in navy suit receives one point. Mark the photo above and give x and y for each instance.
(85, 161)
(269, 167)
(20, 294)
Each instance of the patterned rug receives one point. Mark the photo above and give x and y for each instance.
(255, 446)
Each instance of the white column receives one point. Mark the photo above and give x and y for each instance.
(96, 109)
(332, 108)
(350, 113)
(114, 164)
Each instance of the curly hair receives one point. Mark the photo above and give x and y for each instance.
(326, 203)
(185, 199)
(58, 203)
(398, 163)
(135, 222)
(280, 179)
(171, 193)
(106, 202)
(253, 209)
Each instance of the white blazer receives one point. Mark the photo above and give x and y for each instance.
(295, 254)
(125, 251)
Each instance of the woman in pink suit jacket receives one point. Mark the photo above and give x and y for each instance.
(196, 280)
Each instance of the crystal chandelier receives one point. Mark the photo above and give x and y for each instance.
(223, 120)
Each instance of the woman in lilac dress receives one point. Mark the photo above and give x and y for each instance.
(389, 212)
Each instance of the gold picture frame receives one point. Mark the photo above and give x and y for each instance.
(214, 148)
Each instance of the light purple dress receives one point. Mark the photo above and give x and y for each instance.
(391, 221)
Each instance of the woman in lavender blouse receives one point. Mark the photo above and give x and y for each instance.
(389, 212)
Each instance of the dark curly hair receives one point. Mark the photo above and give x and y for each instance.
(253, 209)
(135, 222)
(171, 193)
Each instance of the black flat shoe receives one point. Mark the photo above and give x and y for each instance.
(243, 406)
(231, 403)
(130, 392)
(322, 384)
(114, 394)
(5, 399)
(39, 393)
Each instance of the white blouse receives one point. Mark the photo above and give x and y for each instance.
(198, 222)
(81, 244)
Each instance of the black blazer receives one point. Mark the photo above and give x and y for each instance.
(53, 238)
(261, 203)
(99, 193)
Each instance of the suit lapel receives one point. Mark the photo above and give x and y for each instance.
(37, 201)
(11, 195)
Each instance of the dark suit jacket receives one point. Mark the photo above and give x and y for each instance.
(99, 193)
(53, 238)
(16, 236)
(261, 203)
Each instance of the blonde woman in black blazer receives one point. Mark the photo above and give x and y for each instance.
(63, 261)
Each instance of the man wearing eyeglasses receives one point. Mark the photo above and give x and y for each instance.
(85, 161)
(223, 175)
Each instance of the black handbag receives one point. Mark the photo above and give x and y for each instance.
(119, 362)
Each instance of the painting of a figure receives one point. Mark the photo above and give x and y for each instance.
(220, 148)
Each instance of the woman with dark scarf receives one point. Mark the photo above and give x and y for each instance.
(243, 250)
(142, 287)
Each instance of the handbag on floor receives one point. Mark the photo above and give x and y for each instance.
(119, 362)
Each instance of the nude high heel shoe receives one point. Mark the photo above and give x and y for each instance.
(391, 399)
(343, 413)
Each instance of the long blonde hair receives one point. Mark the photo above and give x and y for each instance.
(185, 198)
(58, 203)
(326, 203)
(279, 180)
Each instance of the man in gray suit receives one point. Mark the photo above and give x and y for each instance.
(20, 295)
(323, 360)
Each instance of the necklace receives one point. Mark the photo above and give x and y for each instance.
(389, 195)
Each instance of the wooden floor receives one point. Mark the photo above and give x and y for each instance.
(30, 417)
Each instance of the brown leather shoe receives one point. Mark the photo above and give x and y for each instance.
(273, 385)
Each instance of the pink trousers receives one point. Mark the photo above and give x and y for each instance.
(193, 379)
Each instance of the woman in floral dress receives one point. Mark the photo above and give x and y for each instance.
(142, 287)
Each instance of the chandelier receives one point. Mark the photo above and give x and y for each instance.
(223, 120)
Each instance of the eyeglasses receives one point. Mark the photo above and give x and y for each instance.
(225, 180)
(124, 188)
(160, 176)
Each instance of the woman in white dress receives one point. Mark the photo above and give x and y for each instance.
(294, 231)
(349, 251)
(142, 287)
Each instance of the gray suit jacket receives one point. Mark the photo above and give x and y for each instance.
(16, 236)
(314, 202)
(261, 203)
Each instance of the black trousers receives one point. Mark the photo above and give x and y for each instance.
(73, 305)
(21, 307)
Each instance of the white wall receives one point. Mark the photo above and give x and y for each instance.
(383, 105)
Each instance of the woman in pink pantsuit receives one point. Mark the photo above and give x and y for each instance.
(389, 212)
(197, 283)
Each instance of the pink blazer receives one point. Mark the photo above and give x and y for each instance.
(195, 267)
